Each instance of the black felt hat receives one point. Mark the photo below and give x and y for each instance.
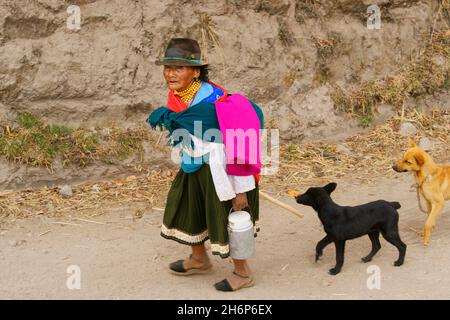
(182, 52)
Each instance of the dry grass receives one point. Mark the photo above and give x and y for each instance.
(306, 9)
(88, 199)
(209, 37)
(36, 143)
(324, 46)
(284, 34)
(425, 74)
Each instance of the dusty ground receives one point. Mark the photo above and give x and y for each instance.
(127, 259)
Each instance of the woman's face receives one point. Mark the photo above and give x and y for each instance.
(179, 78)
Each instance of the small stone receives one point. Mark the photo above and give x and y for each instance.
(45, 251)
(425, 144)
(66, 191)
(95, 188)
(326, 283)
(106, 131)
(407, 129)
(386, 108)
(439, 60)
(131, 179)
(138, 214)
(343, 149)
(51, 208)
(16, 243)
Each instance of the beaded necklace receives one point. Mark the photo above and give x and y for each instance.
(188, 94)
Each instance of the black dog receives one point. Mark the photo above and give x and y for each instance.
(345, 223)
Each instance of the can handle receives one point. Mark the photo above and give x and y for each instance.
(249, 209)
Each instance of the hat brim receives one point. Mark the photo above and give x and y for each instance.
(180, 63)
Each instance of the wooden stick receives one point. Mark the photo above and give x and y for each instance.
(416, 231)
(159, 138)
(273, 200)
(281, 204)
(90, 221)
(66, 223)
(6, 193)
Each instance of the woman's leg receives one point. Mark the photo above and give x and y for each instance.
(242, 268)
(198, 259)
(199, 252)
(241, 275)
(240, 278)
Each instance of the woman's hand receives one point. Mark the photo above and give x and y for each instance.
(239, 202)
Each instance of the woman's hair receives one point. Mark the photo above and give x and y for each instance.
(204, 73)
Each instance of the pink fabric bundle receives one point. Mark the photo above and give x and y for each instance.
(240, 129)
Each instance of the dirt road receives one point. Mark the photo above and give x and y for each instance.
(124, 258)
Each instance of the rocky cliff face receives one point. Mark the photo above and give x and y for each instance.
(283, 54)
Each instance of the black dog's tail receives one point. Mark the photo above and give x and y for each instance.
(395, 205)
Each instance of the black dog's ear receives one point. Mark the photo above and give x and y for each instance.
(330, 187)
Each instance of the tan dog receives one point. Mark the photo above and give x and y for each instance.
(433, 183)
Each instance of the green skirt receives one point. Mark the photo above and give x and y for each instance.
(195, 214)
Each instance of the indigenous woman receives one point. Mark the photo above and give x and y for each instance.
(205, 188)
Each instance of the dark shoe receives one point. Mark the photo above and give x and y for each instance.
(224, 285)
(178, 268)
